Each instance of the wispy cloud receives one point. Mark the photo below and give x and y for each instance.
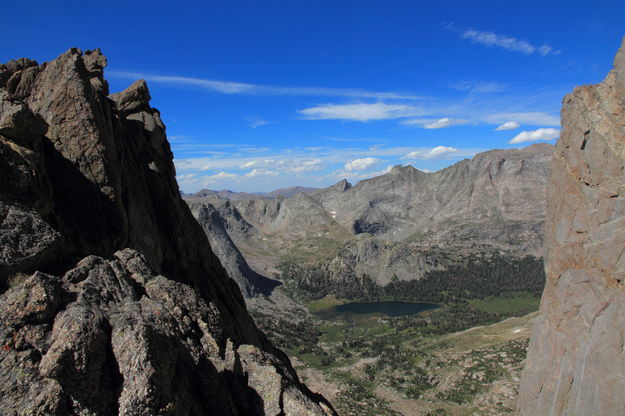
(509, 43)
(444, 122)
(434, 123)
(532, 118)
(537, 108)
(439, 152)
(360, 111)
(479, 87)
(180, 138)
(261, 172)
(256, 122)
(240, 88)
(535, 135)
(509, 125)
(361, 164)
(249, 164)
(220, 176)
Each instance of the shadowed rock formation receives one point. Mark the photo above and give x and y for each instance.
(215, 227)
(116, 303)
(576, 359)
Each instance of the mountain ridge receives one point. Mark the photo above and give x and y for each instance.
(491, 203)
(112, 300)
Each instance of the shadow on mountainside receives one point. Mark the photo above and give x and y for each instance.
(263, 284)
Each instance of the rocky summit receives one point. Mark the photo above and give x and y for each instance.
(112, 300)
(576, 360)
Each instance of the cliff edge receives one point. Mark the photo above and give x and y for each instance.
(112, 300)
(576, 359)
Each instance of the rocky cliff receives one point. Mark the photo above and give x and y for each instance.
(113, 301)
(576, 359)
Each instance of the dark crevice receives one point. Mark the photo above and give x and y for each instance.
(281, 403)
(585, 141)
(112, 378)
(583, 144)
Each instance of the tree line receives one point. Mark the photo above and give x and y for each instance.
(474, 277)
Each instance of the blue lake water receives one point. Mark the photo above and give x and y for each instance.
(374, 308)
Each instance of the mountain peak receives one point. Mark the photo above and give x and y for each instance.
(342, 186)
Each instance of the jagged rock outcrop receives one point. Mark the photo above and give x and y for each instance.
(126, 309)
(576, 359)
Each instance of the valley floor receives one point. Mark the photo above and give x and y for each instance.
(418, 365)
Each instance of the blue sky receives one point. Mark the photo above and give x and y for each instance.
(258, 95)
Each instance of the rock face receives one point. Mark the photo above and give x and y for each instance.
(381, 260)
(126, 309)
(576, 360)
(215, 227)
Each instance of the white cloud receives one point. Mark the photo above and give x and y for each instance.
(354, 176)
(360, 112)
(361, 164)
(479, 86)
(187, 176)
(438, 152)
(257, 123)
(315, 167)
(230, 87)
(508, 125)
(179, 138)
(249, 164)
(306, 166)
(220, 176)
(545, 50)
(532, 118)
(509, 43)
(534, 135)
(444, 122)
(261, 172)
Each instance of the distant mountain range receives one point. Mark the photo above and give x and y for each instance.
(492, 202)
(237, 196)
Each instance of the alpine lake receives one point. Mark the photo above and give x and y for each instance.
(329, 309)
